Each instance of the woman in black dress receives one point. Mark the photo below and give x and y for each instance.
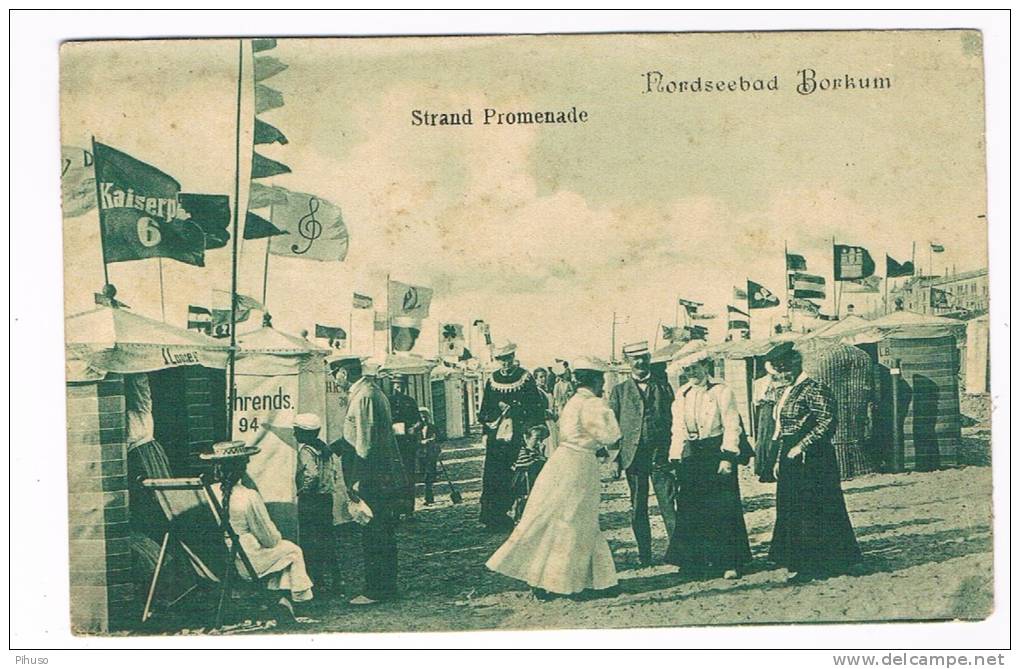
(813, 537)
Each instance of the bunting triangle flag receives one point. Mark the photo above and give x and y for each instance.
(267, 134)
(260, 196)
(256, 227)
(263, 44)
(262, 167)
(267, 98)
(267, 66)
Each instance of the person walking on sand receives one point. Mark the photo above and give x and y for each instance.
(558, 547)
(642, 405)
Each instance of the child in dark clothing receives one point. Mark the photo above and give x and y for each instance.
(529, 463)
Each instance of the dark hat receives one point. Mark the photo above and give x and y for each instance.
(541, 428)
(780, 355)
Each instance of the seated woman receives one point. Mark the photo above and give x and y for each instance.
(269, 553)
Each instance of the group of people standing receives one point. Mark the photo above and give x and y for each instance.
(686, 448)
(542, 477)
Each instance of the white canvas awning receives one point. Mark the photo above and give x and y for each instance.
(108, 339)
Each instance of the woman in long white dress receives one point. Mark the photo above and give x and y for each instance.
(270, 554)
(558, 547)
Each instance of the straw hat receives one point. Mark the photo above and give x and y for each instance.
(589, 363)
(227, 450)
(504, 349)
(692, 353)
(307, 421)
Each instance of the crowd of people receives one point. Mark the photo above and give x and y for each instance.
(546, 437)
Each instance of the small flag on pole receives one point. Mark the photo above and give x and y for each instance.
(738, 319)
(362, 301)
(256, 227)
(408, 300)
(739, 294)
(451, 340)
(937, 248)
(760, 297)
(895, 269)
(336, 337)
(379, 322)
(851, 262)
(806, 285)
(199, 318)
(795, 262)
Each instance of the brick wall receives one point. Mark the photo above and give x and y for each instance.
(100, 555)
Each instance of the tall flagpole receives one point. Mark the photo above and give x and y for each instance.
(265, 266)
(786, 280)
(99, 211)
(389, 324)
(747, 294)
(162, 300)
(232, 353)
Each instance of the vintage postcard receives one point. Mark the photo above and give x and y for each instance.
(526, 331)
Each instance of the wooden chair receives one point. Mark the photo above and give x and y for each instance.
(199, 526)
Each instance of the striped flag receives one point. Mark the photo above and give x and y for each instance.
(739, 294)
(199, 318)
(738, 319)
(806, 285)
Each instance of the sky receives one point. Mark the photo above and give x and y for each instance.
(546, 231)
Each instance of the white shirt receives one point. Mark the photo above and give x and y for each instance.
(701, 412)
(778, 410)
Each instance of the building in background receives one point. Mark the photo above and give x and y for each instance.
(966, 294)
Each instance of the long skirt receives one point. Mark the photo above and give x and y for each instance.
(497, 481)
(813, 534)
(558, 545)
(710, 531)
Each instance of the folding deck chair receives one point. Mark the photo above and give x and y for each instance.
(196, 522)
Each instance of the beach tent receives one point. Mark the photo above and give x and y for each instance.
(976, 367)
(449, 394)
(926, 350)
(108, 339)
(277, 376)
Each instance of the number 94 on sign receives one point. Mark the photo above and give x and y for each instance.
(245, 424)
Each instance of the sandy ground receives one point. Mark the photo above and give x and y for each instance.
(926, 539)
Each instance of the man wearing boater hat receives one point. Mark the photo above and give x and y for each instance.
(643, 408)
(511, 405)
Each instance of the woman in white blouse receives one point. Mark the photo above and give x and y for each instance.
(269, 553)
(558, 548)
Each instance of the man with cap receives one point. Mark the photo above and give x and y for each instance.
(316, 482)
(642, 405)
(511, 404)
(374, 474)
(405, 428)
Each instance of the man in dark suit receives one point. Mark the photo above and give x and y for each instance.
(643, 408)
(374, 473)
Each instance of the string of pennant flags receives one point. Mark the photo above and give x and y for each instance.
(145, 213)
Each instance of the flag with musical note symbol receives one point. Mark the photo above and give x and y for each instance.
(313, 228)
(408, 300)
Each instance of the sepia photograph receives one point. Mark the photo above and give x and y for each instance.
(522, 332)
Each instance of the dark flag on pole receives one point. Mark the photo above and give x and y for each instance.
(256, 227)
(795, 263)
(262, 167)
(211, 213)
(139, 214)
(337, 337)
(851, 262)
(760, 297)
(739, 294)
(360, 301)
(895, 269)
(267, 134)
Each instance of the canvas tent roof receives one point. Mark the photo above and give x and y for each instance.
(270, 352)
(406, 364)
(838, 328)
(108, 339)
(904, 325)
